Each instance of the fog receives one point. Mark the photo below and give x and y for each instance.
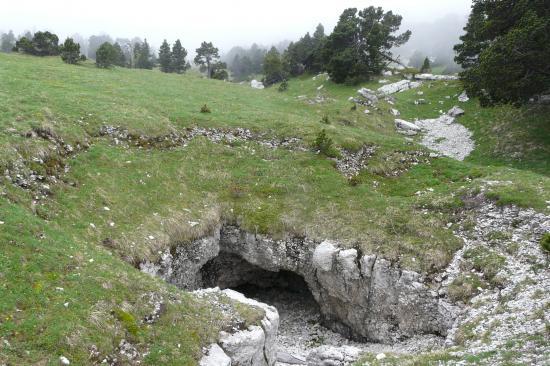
(225, 23)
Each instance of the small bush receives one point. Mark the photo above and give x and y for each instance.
(464, 287)
(325, 119)
(205, 109)
(353, 107)
(324, 144)
(545, 243)
(128, 321)
(283, 86)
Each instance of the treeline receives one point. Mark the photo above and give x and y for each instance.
(122, 52)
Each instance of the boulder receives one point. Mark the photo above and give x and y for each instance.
(257, 84)
(404, 125)
(398, 87)
(463, 98)
(456, 111)
(333, 356)
(368, 95)
(395, 112)
(387, 73)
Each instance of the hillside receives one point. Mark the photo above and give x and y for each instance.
(105, 170)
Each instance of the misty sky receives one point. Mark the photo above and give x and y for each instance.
(226, 23)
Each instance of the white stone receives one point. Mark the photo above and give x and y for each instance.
(383, 81)
(395, 112)
(215, 356)
(64, 360)
(435, 77)
(257, 84)
(387, 73)
(456, 111)
(404, 125)
(380, 356)
(398, 87)
(367, 111)
(323, 256)
(320, 87)
(463, 98)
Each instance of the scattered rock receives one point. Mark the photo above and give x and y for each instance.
(395, 112)
(64, 360)
(387, 73)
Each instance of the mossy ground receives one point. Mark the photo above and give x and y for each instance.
(161, 193)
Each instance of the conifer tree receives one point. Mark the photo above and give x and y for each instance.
(7, 42)
(207, 55)
(179, 64)
(165, 57)
(70, 51)
(120, 58)
(426, 66)
(143, 56)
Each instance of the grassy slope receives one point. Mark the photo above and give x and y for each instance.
(158, 192)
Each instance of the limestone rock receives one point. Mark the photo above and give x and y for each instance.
(387, 73)
(398, 87)
(404, 125)
(369, 96)
(435, 77)
(323, 257)
(332, 356)
(463, 98)
(215, 356)
(257, 84)
(456, 111)
(395, 112)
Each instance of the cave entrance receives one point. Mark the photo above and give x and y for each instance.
(229, 270)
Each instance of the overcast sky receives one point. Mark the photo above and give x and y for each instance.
(224, 22)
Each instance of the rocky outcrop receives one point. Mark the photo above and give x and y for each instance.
(360, 296)
(435, 77)
(406, 128)
(254, 346)
(398, 87)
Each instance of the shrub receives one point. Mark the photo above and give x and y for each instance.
(283, 86)
(205, 109)
(70, 51)
(324, 144)
(464, 287)
(545, 243)
(325, 119)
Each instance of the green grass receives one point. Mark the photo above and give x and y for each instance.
(157, 193)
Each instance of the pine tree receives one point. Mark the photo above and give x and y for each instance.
(359, 47)
(70, 51)
(273, 67)
(179, 64)
(425, 66)
(120, 59)
(143, 56)
(106, 55)
(505, 51)
(165, 57)
(206, 56)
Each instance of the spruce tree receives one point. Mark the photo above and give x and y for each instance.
(120, 58)
(143, 56)
(425, 66)
(273, 67)
(179, 64)
(165, 57)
